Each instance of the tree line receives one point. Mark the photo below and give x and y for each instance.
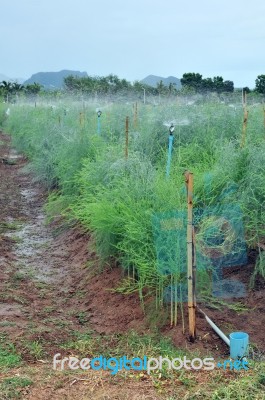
(104, 85)
(191, 82)
(110, 85)
(195, 82)
(10, 90)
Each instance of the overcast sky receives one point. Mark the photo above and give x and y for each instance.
(134, 39)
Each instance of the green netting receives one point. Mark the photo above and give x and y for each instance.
(169, 229)
(219, 236)
(219, 241)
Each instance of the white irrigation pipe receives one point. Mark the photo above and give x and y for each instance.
(215, 328)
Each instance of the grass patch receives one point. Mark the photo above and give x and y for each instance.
(9, 358)
(117, 345)
(8, 226)
(49, 309)
(19, 277)
(35, 349)
(7, 323)
(12, 388)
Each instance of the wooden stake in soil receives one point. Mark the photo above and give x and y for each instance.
(190, 259)
(245, 120)
(244, 98)
(126, 137)
(244, 129)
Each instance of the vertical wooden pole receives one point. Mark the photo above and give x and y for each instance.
(171, 301)
(194, 267)
(244, 128)
(244, 98)
(190, 258)
(126, 137)
(176, 300)
(245, 119)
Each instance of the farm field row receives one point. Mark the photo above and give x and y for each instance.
(112, 175)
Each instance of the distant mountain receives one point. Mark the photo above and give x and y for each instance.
(153, 80)
(53, 80)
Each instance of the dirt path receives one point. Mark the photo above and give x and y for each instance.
(48, 294)
(34, 264)
(47, 264)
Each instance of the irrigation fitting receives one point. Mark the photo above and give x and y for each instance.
(170, 145)
(171, 129)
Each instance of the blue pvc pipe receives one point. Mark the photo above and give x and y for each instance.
(217, 330)
(98, 125)
(238, 344)
(238, 341)
(170, 146)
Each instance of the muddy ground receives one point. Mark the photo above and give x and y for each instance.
(51, 285)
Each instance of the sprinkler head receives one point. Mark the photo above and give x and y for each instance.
(171, 129)
(99, 113)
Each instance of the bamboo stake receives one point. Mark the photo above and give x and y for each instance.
(245, 120)
(182, 311)
(194, 266)
(126, 137)
(171, 300)
(190, 258)
(176, 302)
(244, 98)
(244, 128)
